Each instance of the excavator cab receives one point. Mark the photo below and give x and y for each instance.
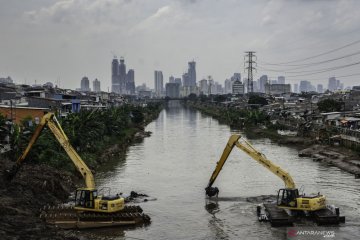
(287, 197)
(84, 198)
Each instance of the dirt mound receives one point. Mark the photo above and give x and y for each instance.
(20, 200)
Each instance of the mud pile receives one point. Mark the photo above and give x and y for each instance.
(21, 198)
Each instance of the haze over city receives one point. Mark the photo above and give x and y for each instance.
(63, 40)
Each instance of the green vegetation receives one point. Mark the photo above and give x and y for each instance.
(90, 133)
(255, 99)
(231, 115)
(2, 120)
(330, 105)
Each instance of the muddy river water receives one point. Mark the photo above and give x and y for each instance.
(174, 166)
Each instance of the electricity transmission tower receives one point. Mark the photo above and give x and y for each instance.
(249, 61)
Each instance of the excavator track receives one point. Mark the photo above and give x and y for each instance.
(68, 217)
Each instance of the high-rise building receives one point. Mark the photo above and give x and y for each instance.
(296, 88)
(171, 79)
(186, 80)
(211, 85)
(204, 88)
(178, 80)
(332, 84)
(236, 76)
(341, 86)
(96, 85)
(85, 84)
(262, 81)
(115, 81)
(238, 87)
(281, 80)
(172, 90)
(130, 82)
(320, 88)
(192, 74)
(122, 75)
(305, 86)
(227, 86)
(256, 86)
(121, 82)
(218, 88)
(158, 83)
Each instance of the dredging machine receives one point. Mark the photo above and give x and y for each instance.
(290, 206)
(91, 209)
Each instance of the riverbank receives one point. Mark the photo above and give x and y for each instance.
(340, 157)
(343, 158)
(38, 184)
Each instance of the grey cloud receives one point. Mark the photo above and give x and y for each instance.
(82, 34)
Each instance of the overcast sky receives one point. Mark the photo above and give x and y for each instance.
(50, 40)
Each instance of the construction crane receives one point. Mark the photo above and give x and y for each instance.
(288, 198)
(87, 199)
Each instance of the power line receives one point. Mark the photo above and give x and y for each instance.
(326, 70)
(315, 56)
(314, 63)
(317, 79)
(313, 70)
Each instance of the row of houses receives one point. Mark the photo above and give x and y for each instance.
(19, 101)
(301, 114)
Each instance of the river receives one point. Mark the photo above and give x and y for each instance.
(174, 166)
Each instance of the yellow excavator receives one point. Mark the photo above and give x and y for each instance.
(288, 198)
(87, 199)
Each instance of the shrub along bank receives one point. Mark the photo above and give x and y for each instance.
(89, 132)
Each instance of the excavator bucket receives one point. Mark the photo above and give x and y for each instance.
(212, 191)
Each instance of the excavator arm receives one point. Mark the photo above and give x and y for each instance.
(50, 120)
(245, 146)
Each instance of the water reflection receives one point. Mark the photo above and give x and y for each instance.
(212, 206)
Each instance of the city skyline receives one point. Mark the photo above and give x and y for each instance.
(61, 40)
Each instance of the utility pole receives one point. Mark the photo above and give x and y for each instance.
(250, 55)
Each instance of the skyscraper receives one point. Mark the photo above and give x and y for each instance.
(178, 80)
(171, 79)
(158, 83)
(172, 90)
(130, 82)
(186, 80)
(296, 88)
(204, 88)
(332, 84)
(85, 84)
(115, 83)
(262, 81)
(96, 85)
(320, 88)
(228, 86)
(122, 76)
(305, 86)
(236, 76)
(121, 82)
(192, 74)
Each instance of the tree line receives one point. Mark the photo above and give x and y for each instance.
(89, 132)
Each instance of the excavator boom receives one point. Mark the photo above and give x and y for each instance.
(50, 120)
(244, 145)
